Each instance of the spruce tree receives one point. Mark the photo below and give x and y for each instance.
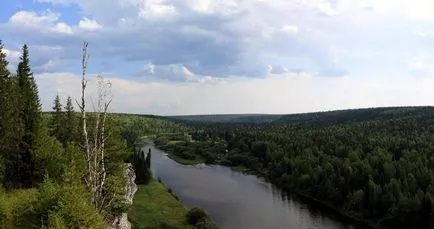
(10, 124)
(4, 93)
(30, 114)
(57, 121)
(4, 111)
(70, 125)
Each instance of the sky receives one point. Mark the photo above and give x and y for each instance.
(172, 57)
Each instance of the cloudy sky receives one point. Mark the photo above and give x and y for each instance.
(230, 56)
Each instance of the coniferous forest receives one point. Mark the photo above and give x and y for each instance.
(43, 171)
(67, 168)
(375, 165)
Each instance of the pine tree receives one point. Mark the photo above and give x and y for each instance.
(30, 114)
(10, 124)
(57, 121)
(70, 125)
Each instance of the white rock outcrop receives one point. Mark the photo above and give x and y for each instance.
(130, 189)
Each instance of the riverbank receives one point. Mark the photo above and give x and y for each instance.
(302, 196)
(183, 161)
(154, 207)
(329, 207)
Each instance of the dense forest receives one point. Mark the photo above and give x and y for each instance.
(66, 168)
(46, 177)
(376, 165)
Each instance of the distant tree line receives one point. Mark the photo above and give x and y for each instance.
(378, 168)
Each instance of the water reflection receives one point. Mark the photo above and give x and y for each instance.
(239, 201)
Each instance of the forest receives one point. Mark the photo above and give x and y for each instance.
(375, 165)
(65, 168)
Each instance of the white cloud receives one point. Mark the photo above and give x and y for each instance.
(206, 43)
(290, 29)
(12, 54)
(63, 28)
(88, 24)
(157, 9)
(289, 93)
(31, 19)
(212, 6)
(421, 66)
(414, 10)
(13, 58)
(46, 20)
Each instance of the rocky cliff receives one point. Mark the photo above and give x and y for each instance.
(130, 189)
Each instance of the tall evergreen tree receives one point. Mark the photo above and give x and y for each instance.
(4, 93)
(4, 109)
(31, 117)
(10, 124)
(70, 125)
(57, 121)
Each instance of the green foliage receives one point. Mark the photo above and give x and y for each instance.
(57, 121)
(28, 153)
(11, 126)
(70, 125)
(74, 170)
(66, 206)
(228, 118)
(374, 164)
(206, 224)
(194, 215)
(30, 115)
(17, 209)
(116, 189)
(153, 207)
(143, 172)
(50, 159)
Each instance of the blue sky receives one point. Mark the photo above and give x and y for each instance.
(230, 56)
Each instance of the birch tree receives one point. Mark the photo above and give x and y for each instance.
(94, 146)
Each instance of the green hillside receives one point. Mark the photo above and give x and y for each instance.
(228, 118)
(355, 115)
(374, 164)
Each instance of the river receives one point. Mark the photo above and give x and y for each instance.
(239, 201)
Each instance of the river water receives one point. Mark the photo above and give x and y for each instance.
(239, 201)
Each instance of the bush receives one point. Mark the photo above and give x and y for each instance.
(50, 159)
(16, 209)
(66, 207)
(206, 224)
(163, 225)
(194, 215)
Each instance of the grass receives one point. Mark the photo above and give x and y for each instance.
(185, 161)
(153, 207)
(173, 142)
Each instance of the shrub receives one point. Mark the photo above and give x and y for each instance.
(50, 159)
(194, 215)
(163, 225)
(16, 209)
(206, 224)
(66, 207)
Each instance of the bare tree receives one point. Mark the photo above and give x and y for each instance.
(95, 151)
